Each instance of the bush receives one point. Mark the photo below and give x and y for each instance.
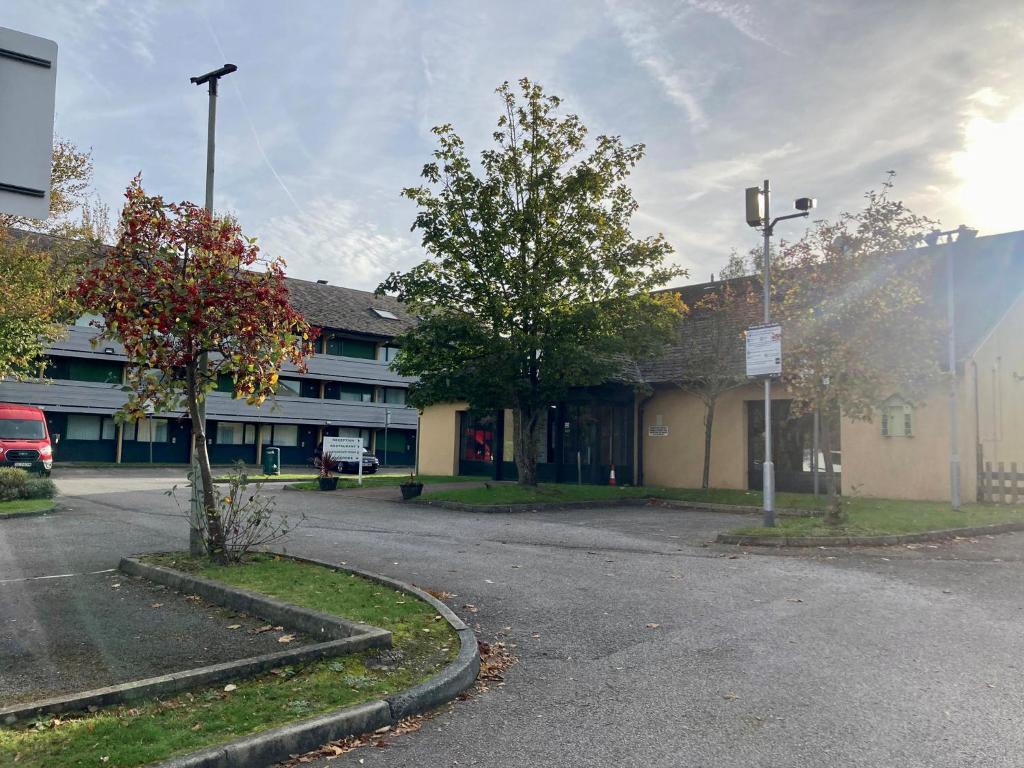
(12, 483)
(39, 488)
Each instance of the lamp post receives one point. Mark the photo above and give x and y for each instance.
(964, 234)
(211, 79)
(758, 203)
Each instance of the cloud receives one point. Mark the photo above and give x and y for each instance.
(330, 240)
(644, 40)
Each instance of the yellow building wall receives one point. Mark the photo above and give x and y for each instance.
(1000, 374)
(677, 459)
(438, 440)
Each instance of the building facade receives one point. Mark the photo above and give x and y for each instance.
(349, 390)
(653, 430)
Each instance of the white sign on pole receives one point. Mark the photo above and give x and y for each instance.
(764, 350)
(28, 87)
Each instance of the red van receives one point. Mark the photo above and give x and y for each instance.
(24, 438)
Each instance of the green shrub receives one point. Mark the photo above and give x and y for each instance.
(39, 488)
(12, 483)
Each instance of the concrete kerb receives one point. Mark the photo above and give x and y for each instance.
(631, 501)
(34, 513)
(338, 635)
(866, 541)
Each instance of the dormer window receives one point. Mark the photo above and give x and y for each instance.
(897, 418)
(384, 313)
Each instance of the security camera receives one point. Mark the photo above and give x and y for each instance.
(806, 203)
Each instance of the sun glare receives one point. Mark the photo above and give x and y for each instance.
(991, 170)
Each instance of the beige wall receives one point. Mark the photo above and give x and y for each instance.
(438, 439)
(914, 467)
(677, 459)
(1000, 371)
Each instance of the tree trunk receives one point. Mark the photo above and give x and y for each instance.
(524, 440)
(216, 543)
(833, 508)
(709, 420)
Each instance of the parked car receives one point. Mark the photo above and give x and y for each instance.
(24, 439)
(370, 464)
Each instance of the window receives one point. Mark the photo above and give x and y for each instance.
(82, 427)
(225, 383)
(386, 353)
(309, 388)
(250, 434)
(339, 345)
(360, 393)
(108, 430)
(229, 433)
(76, 369)
(285, 435)
(158, 427)
(386, 314)
(897, 418)
(289, 387)
(394, 396)
(355, 432)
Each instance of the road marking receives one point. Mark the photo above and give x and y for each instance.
(57, 576)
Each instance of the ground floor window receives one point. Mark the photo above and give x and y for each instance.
(88, 427)
(231, 433)
(281, 435)
(477, 437)
(145, 428)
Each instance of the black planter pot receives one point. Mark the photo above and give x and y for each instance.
(328, 483)
(411, 490)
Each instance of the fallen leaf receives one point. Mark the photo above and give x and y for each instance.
(793, 600)
(157, 605)
(384, 729)
(653, 626)
(265, 628)
(234, 626)
(197, 726)
(285, 638)
(230, 687)
(115, 586)
(488, 581)
(730, 696)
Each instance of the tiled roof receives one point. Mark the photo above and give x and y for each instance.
(347, 309)
(323, 305)
(988, 278)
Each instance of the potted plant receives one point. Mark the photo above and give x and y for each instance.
(411, 487)
(327, 465)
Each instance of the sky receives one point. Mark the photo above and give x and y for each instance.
(329, 114)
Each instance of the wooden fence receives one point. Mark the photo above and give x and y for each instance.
(999, 486)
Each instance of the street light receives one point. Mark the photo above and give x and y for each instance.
(964, 234)
(211, 79)
(759, 216)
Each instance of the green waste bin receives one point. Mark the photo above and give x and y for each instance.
(271, 461)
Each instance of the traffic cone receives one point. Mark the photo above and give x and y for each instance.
(611, 476)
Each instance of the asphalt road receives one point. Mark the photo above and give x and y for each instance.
(908, 657)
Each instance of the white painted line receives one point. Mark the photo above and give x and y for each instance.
(57, 576)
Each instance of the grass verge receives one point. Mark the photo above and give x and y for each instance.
(26, 505)
(383, 481)
(882, 517)
(144, 732)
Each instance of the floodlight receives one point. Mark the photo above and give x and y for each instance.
(806, 203)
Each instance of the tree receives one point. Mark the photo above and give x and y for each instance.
(534, 282)
(853, 300)
(181, 285)
(37, 270)
(713, 341)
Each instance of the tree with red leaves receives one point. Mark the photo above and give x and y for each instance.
(192, 299)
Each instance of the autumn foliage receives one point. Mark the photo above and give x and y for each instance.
(192, 300)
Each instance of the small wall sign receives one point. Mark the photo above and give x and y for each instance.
(657, 430)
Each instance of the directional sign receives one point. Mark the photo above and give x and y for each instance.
(28, 84)
(764, 350)
(344, 448)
